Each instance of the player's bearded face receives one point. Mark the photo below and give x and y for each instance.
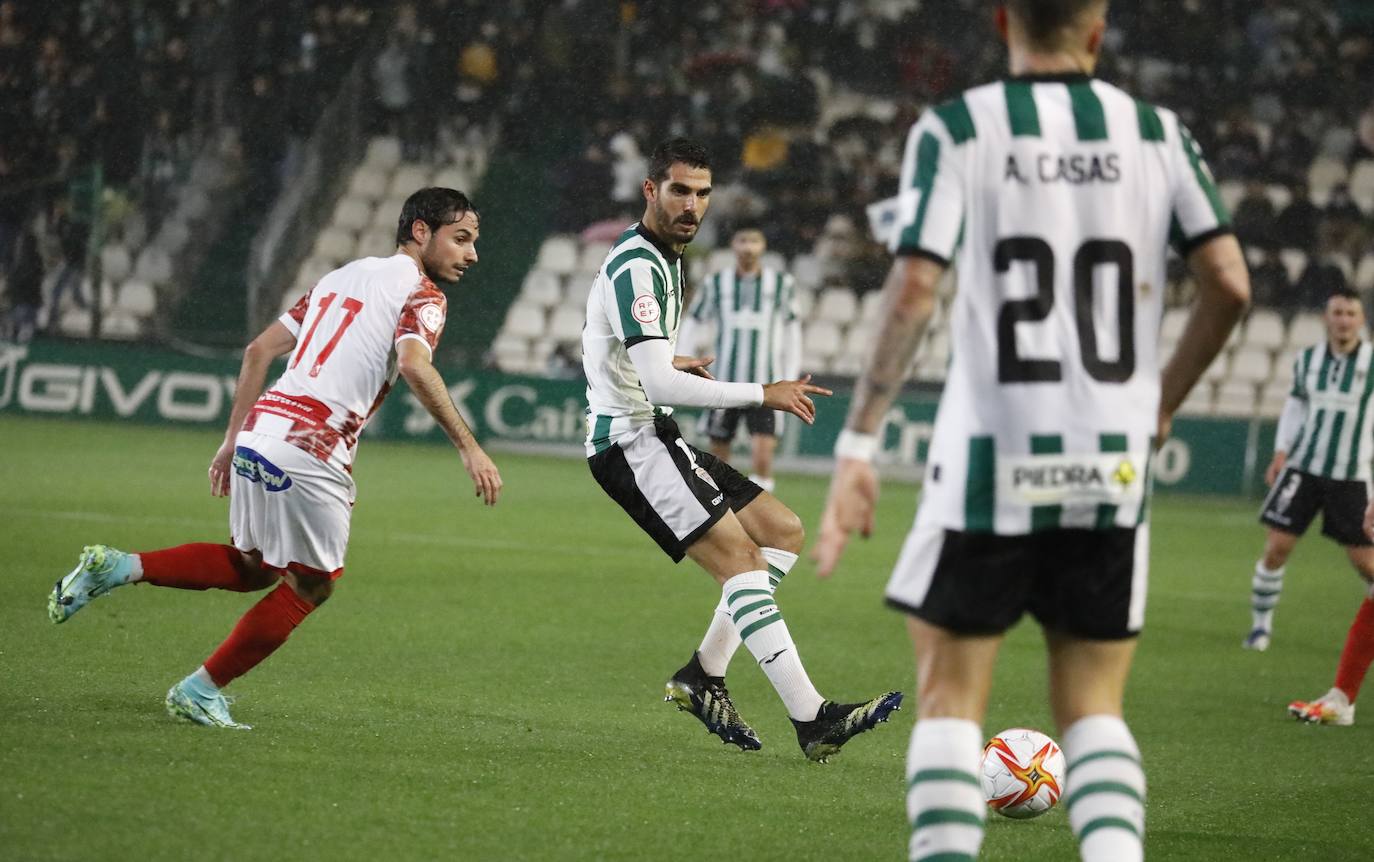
(451, 249)
(681, 201)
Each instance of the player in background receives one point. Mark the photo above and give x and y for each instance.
(1322, 454)
(688, 501)
(758, 339)
(1057, 195)
(287, 455)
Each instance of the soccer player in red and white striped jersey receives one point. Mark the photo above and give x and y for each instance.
(286, 460)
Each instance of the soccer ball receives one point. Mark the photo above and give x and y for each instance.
(1023, 773)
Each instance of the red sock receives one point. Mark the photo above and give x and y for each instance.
(1358, 652)
(199, 566)
(265, 627)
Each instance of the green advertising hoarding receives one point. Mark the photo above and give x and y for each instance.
(152, 385)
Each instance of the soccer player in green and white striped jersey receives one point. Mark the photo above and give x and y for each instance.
(758, 339)
(1058, 196)
(688, 501)
(1322, 461)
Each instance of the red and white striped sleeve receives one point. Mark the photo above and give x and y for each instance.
(423, 315)
(295, 315)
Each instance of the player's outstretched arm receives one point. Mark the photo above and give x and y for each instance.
(908, 303)
(1222, 296)
(276, 340)
(413, 362)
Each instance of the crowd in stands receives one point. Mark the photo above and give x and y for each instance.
(806, 106)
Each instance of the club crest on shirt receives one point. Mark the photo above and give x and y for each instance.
(432, 316)
(645, 309)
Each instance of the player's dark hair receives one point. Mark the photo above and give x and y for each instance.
(742, 226)
(685, 150)
(435, 206)
(1045, 19)
(1343, 293)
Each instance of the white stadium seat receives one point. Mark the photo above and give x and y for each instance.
(383, 153)
(1199, 401)
(368, 184)
(592, 256)
(121, 326)
(137, 298)
(1251, 364)
(871, 306)
(115, 262)
(837, 305)
(1272, 398)
(1325, 172)
(511, 354)
(774, 260)
(524, 321)
(1364, 273)
(566, 324)
(1231, 192)
(558, 254)
(1171, 327)
(1235, 398)
(720, 259)
(806, 303)
(334, 245)
(352, 214)
(1218, 370)
(407, 180)
(1266, 330)
(543, 288)
(1279, 195)
(858, 340)
(847, 364)
(154, 265)
(806, 269)
(374, 243)
(576, 290)
(1362, 185)
(75, 322)
(1294, 261)
(193, 204)
(173, 236)
(1306, 330)
(822, 340)
(454, 178)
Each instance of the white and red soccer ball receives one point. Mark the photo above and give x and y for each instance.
(1022, 774)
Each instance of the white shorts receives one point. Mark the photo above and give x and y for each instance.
(289, 505)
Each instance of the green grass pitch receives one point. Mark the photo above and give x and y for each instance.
(487, 684)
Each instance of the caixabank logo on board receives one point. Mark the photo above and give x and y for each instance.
(104, 390)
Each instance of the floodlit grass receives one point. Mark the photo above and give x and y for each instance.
(486, 684)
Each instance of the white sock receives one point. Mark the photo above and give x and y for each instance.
(1105, 790)
(764, 632)
(722, 638)
(764, 482)
(201, 681)
(135, 569)
(1265, 587)
(944, 799)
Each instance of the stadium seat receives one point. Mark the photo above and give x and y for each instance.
(1362, 185)
(1325, 172)
(115, 262)
(806, 269)
(774, 260)
(592, 256)
(524, 321)
(1306, 330)
(806, 303)
(75, 322)
(1251, 365)
(871, 306)
(352, 214)
(543, 288)
(930, 370)
(847, 364)
(822, 340)
(374, 243)
(136, 298)
(1279, 195)
(858, 340)
(334, 245)
(558, 254)
(368, 184)
(408, 179)
(1219, 369)
(566, 324)
(154, 265)
(173, 236)
(511, 354)
(1272, 398)
(1235, 398)
(1294, 261)
(576, 289)
(1364, 273)
(193, 204)
(386, 213)
(314, 269)
(120, 326)
(1231, 192)
(1199, 401)
(720, 259)
(383, 154)
(453, 177)
(1265, 329)
(1171, 327)
(837, 305)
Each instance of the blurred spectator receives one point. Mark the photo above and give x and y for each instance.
(1270, 287)
(25, 285)
(1296, 226)
(72, 236)
(1238, 153)
(391, 73)
(1343, 225)
(1254, 217)
(1322, 276)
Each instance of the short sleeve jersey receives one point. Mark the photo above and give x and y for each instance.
(1057, 199)
(1337, 436)
(344, 363)
(636, 295)
(751, 315)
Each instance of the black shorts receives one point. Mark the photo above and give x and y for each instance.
(672, 490)
(722, 423)
(1297, 496)
(1084, 583)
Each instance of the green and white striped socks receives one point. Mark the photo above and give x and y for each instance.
(1105, 789)
(944, 799)
(1265, 587)
(749, 599)
(722, 638)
